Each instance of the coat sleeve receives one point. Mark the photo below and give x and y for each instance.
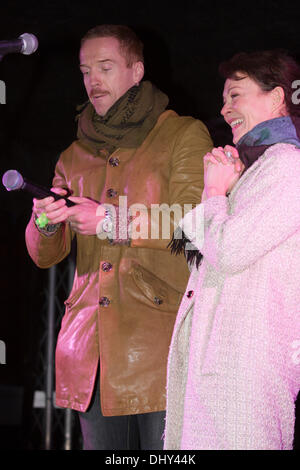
(187, 149)
(264, 216)
(46, 251)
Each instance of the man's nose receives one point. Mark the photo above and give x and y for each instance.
(95, 78)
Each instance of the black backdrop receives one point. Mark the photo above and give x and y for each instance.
(184, 43)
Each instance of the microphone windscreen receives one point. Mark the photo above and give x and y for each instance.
(30, 43)
(12, 180)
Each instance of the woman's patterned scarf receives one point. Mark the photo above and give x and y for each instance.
(250, 147)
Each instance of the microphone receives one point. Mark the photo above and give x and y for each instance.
(25, 44)
(13, 181)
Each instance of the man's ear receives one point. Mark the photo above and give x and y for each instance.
(138, 71)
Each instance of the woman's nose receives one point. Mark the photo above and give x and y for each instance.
(225, 109)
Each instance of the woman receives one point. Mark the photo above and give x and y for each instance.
(233, 370)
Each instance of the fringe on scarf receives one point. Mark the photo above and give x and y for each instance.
(181, 244)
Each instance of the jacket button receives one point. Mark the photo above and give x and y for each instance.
(190, 294)
(158, 301)
(106, 266)
(104, 302)
(111, 192)
(114, 161)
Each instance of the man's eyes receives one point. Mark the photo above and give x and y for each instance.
(100, 69)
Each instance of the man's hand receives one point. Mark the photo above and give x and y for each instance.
(56, 211)
(85, 215)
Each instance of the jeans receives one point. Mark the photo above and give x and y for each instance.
(129, 432)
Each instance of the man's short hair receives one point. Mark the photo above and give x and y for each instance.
(131, 47)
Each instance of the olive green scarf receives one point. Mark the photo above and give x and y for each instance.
(127, 122)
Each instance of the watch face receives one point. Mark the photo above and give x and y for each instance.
(107, 224)
(51, 227)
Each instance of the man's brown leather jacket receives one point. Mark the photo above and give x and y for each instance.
(122, 307)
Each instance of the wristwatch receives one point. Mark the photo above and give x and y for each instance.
(107, 223)
(47, 229)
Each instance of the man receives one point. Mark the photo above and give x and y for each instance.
(131, 157)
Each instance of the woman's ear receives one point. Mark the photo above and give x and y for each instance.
(278, 101)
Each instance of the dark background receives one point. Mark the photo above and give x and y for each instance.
(184, 44)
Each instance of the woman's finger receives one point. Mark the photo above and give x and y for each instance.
(209, 158)
(232, 150)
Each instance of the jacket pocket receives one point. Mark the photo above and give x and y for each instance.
(161, 295)
(74, 295)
